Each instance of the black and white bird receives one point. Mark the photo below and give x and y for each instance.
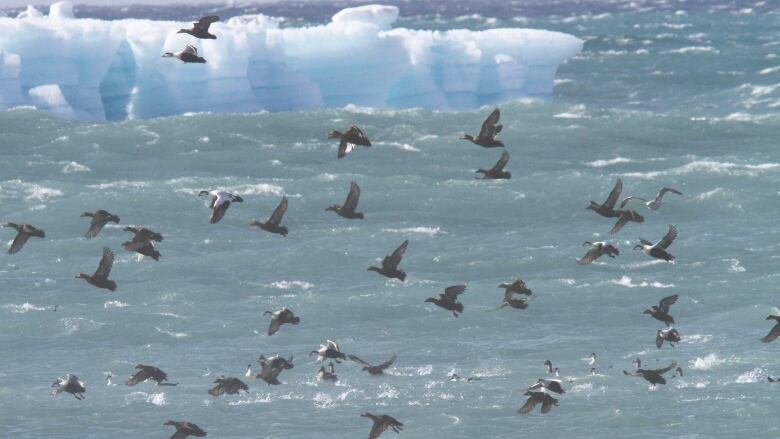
(597, 250)
(590, 359)
(200, 28)
(661, 312)
(273, 224)
(329, 350)
(382, 423)
(153, 373)
(655, 203)
(497, 171)
(551, 385)
(658, 250)
(607, 208)
(371, 369)
(143, 242)
(653, 376)
(184, 429)
(100, 277)
(669, 335)
(228, 386)
(536, 398)
(548, 366)
(349, 139)
(219, 201)
(325, 375)
(775, 331)
(271, 368)
(23, 233)
(347, 210)
(99, 219)
(452, 376)
(278, 318)
(390, 263)
(69, 384)
(449, 299)
(487, 134)
(187, 55)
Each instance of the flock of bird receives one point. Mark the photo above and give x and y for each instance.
(516, 293)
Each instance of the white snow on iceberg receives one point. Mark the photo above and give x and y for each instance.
(111, 70)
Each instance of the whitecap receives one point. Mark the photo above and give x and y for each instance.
(74, 167)
(23, 308)
(430, 231)
(115, 304)
(750, 376)
(735, 266)
(626, 281)
(693, 49)
(172, 334)
(286, 285)
(708, 362)
(609, 162)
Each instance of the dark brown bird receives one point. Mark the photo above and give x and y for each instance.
(518, 287)
(347, 140)
(184, 429)
(597, 250)
(329, 350)
(347, 210)
(497, 171)
(100, 278)
(23, 233)
(273, 223)
(487, 134)
(607, 209)
(449, 299)
(142, 242)
(626, 216)
(510, 301)
(272, 367)
(279, 318)
(373, 370)
(775, 331)
(228, 386)
(149, 373)
(661, 312)
(390, 264)
(187, 55)
(653, 376)
(382, 423)
(99, 219)
(200, 28)
(669, 335)
(536, 398)
(773, 380)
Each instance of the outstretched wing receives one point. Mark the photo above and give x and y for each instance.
(531, 402)
(547, 403)
(663, 192)
(627, 199)
(388, 363)
(453, 291)
(357, 359)
(378, 428)
(189, 48)
(350, 204)
(142, 375)
(614, 195)
(668, 238)
(659, 340)
(355, 136)
(278, 214)
(106, 262)
(666, 302)
(18, 242)
(666, 369)
(219, 212)
(205, 22)
(501, 163)
(345, 147)
(394, 259)
(592, 254)
(275, 325)
(773, 334)
(489, 128)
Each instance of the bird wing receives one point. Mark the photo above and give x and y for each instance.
(96, 224)
(394, 259)
(633, 374)
(142, 375)
(773, 334)
(205, 22)
(378, 428)
(106, 262)
(663, 192)
(531, 402)
(666, 302)
(18, 242)
(622, 221)
(388, 363)
(453, 291)
(357, 359)
(592, 254)
(643, 241)
(659, 339)
(665, 369)
(279, 212)
(668, 238)
(275, 325)
(489, 125)
(501, 163)
(189, 48)
(627, 199)
(180, 434)
(547, 403)
(345, 147)
(219, 212)
(194, 430)
(350, 204)
(355, 136)
(614, 195)
(555, 386)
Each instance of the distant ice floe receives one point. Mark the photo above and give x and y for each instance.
(92, 69)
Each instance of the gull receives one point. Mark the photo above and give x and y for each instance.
(653, 204)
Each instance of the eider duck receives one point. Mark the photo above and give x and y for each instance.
(551, 385)
(626, 216)
(652, 204)
(99, 219)
(100, 278)
(607, 209)
(517, 287)
(272, 367)
(142, 242)
(347, 210)
(661, 312)
(449, 299)
(382, 423)
(184, 429)
(349, 139)
(324, 375)
(678, 372)
(653, 376)
(272, 225)
(279, 318)
(548, 366)
(228, 386)
(597, 250)
(510, 301)
(590, 359)
(373, 370)
(452, 376)
(536, 398)
(670, 335)
(277, 361)
(773, 380)
(329, 350)
(775, 331)
(488, 132)
(187, 55)
(200, 28)
(149, 373)
(390, 264)
(497, 171)
(23, 233)
(219, 201)
(658, 250)
(69, 384)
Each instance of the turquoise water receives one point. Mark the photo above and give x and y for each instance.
(686, 100)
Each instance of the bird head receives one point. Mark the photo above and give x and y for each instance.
(638, 246)
(593, 205)
(202, 193)
(167, 55)
(430, 299)
(648, 311)
(467, 137)
(170, 423)
(82, 276)
(481, 171)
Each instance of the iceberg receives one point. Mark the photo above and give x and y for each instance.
(97, 70)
